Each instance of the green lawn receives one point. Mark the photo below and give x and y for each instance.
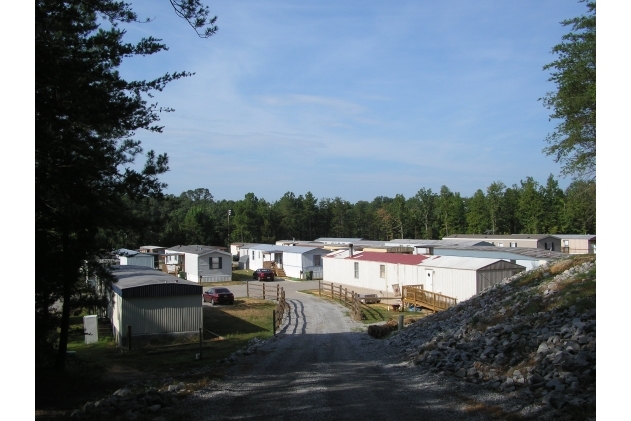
(98, 369)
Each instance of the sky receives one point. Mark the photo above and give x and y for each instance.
(354, 99)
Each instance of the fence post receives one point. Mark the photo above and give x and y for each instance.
(263, 291)
(247, 288)
(400, 321)
(345, 295)
(129, 337)
(340, 292)
(201, 337)
(274, 322)
(277, 292)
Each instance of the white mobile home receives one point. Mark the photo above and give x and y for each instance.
(153, 303)
(540, 241)
(200, 263)
(133, 257)
(577, 244)
(457, 277)
(294, 260)
(464, 277)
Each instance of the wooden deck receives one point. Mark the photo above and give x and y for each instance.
(418, 297)
(273, 266)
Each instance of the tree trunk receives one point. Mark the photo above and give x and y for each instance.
(60, 363)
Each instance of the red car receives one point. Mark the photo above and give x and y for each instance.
(263, 275)
(218, 296)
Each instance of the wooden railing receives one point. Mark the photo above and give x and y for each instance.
(417, 296)
(275, 267)
(270, 293)
(281, 308)
(343, 295)
(254, 290)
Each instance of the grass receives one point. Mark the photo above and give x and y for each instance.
(222, 284)
(99, 369)
(243, 275)
(375, 313)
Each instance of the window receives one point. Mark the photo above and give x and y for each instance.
(317, 260)
(513, 244)
(356, 270)
(566, 243)
(252, 254)
(500, 244)
(382, 271)
(215, 262)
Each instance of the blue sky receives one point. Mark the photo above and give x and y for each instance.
(354, 99)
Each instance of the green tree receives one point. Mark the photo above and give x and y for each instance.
(400, 214)
(579, 213)
(426, 209)
(309, 215)
(246, 222)
(531, 207)
(478, 220)
(495, 198)
(288, 210)
(510, 214)
(573, 142)
(553, 203)
(86, 118)
(444, 210)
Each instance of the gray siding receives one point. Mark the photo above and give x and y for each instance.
(147, 316)
(488, 278)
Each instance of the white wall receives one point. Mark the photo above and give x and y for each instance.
(292, 264)
(138, 260)
(457, 283)
(342, 271)
(190, 266)
(255, 262)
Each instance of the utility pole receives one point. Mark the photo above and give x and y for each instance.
(229, 213)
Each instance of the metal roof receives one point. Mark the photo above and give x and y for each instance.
(499, 236)
(464, 263)
(272, 248)
(359, 242)
(575, 236)
(521, 251)
(435, 243)
(337, 240)
(404, 259)
(141, 281)
(197, 249)
(126, 252)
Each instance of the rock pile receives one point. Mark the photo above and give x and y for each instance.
(125, 404)
(155, 400)
(533, 336)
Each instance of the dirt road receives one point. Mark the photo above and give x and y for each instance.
(323, 366)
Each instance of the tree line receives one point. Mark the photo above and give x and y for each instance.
(196, 217)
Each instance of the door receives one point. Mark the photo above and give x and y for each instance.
(428, 283)
(278, 259)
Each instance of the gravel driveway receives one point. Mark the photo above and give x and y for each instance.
(323, 366)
